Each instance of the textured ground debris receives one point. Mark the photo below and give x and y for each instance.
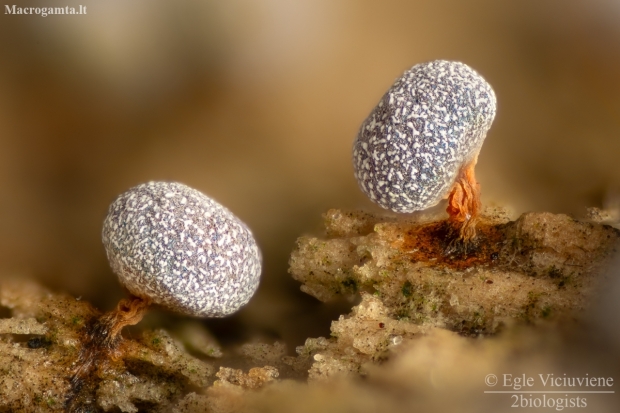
(541, 266)
(414, 287)
(414, 281)
(40, 345)
(365, 337)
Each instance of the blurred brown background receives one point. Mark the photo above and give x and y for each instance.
(256, 103)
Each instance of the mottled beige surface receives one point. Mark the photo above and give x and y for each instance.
(257, 104)
(37, 365)
(541, 266)
(394, 350)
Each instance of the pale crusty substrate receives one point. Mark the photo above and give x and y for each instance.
(406, 367)
(437, 371)
(43, 334)
(541, 266)
(40, 345)
(395, 338)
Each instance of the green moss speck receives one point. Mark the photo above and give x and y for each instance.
(560, 279)
(530, 306)
(554, 272)
(350, 284)
(407, 289)
(402, 314)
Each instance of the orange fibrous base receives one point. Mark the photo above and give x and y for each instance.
(100, 342)
(464, 202)
(128, 312)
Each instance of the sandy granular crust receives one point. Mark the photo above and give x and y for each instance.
(406, 336)
(540, 266)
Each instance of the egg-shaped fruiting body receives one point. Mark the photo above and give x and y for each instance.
(174, 246)
(425, 130)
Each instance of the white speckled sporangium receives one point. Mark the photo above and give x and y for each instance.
(174, 246)
(421, 142)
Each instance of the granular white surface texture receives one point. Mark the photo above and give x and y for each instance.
(177, 247)
(430, 123)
